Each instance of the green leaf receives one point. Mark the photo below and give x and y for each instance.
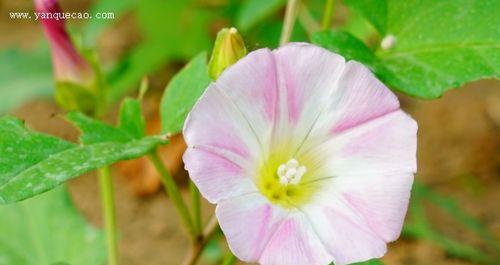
(131, 125)
(252, 12)
(346, 44)
(94, 131)
(438, 45)
(24, 76)
(48, 230)
(72, 96)
(352, 49)
(182, 92)
(32, 163)
(357, 25)
(20, 149)
(374, 11)
(131, 119)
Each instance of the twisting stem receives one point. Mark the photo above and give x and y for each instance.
(196, 203)
(290, 16)
(200, 243)
(173, 192)
(326, 23)
(108, 209)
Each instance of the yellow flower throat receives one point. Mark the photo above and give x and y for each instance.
(284, 181)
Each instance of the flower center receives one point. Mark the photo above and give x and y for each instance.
(291, 172)
(284, 180)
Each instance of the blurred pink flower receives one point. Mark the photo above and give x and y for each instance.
(69, 65)
(309, 159)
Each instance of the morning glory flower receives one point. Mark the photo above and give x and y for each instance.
(69, 65)
(309, 159)
(78, 86)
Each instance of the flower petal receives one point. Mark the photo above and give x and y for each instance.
(308, 75)
(258, 231)
(381, 200)
(249, 222)
(386, 145)
(358, 98)
(295, 243)
(344, 233)
(364, 177)
(216, 176)
(222, 148)
(215, 122)
(251, 84)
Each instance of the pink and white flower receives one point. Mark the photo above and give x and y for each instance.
(309, 159)
(69, 65)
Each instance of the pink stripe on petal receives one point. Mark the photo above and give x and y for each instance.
(389, 143)
(369, 141)
(373, 196)
(231, 143)
(215, 122)
(295, 243)
(216, 177)
(248, 222)
(384, 145)
(294, 103)
(308, 76)
(251, 85)
(360, 97)
(344, 233)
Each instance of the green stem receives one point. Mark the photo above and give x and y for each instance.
(200, 243)
(307, 20)
(173, 192)
(326, 23)
(229, 259)
(108, 208)
(290, 16)
(196, 202)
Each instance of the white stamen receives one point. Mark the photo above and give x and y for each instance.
(300, 171)
(281, 170)
(291, 172)
(292, 163)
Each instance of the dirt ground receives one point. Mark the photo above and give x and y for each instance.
(458, 155)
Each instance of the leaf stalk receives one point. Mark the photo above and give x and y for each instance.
(289, 21)
(109, 212)
(173, 192)
(326, 23)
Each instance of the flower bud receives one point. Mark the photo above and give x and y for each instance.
(76, 82)
(229, 48)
